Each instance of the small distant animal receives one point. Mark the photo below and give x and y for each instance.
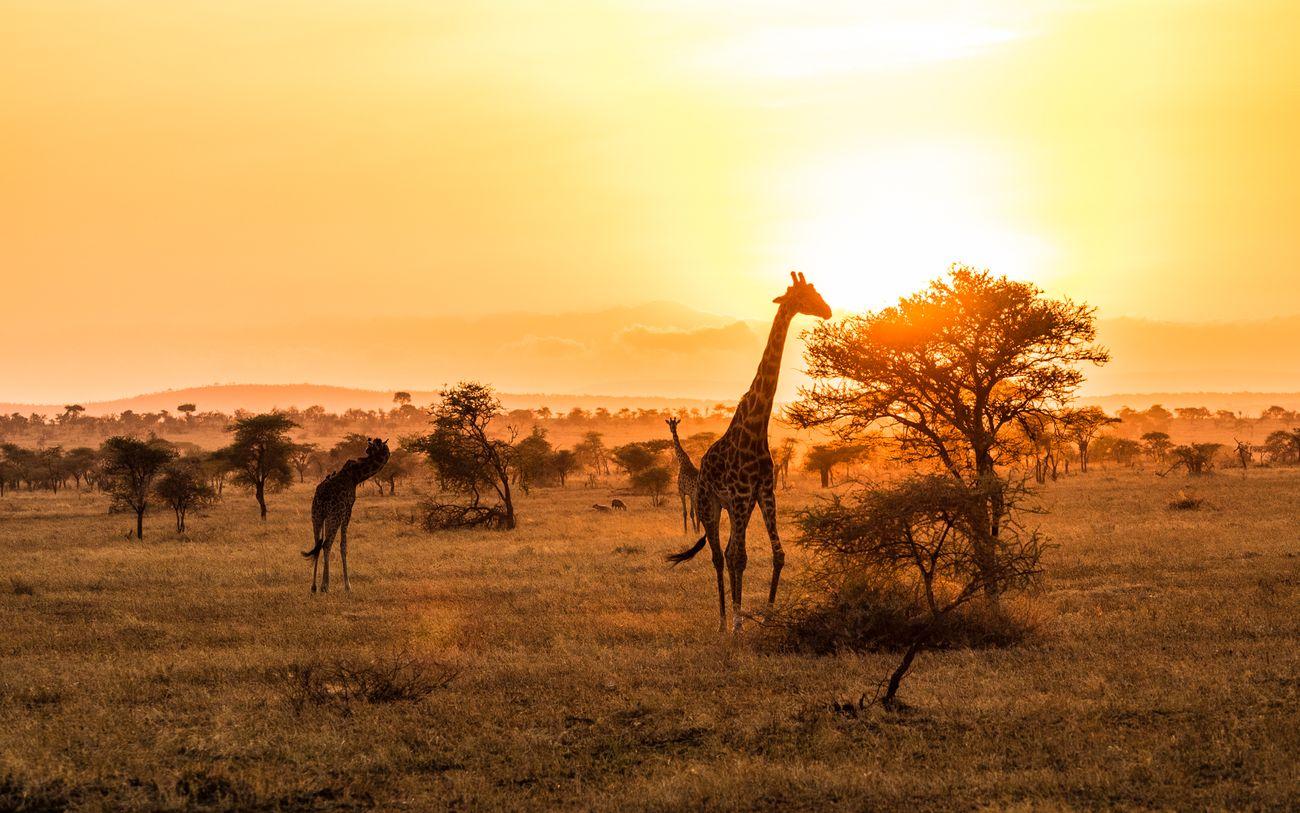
(618, 505)
(331, 509)
(599, 507)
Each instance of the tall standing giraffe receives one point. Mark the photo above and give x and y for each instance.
(331, 509)
(688, 479)
(736, 472)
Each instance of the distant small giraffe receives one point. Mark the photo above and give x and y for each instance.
(688, 479)
(331, 509)
(736, 473)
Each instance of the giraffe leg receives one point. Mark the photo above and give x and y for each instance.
(682, 495)
(330, 530)
(767, 505)
(343, 555)
(711, 518)
(315, 559)
(736, 559)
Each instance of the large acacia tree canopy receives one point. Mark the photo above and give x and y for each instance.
(948, 368)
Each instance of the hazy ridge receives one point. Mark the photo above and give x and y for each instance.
(651, 354)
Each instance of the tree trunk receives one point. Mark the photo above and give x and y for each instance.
(826, 477)
(261, 497)
(890, 700)
(139, 523)
(509, 504)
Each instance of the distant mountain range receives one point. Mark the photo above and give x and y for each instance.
(649, 354)
(265, 397)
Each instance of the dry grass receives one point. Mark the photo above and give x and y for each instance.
(150, 675)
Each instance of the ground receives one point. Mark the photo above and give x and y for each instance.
(150, 674)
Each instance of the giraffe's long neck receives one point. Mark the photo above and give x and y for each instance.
(755, 409)
(683, 459)
(367, 467)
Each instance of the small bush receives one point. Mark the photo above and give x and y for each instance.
(21, 587)
(864, 616)
(343, 682)
(440, 516)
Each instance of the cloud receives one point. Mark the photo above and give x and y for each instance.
(736, 337)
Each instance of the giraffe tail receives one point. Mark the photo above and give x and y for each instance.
(320, 543)
(689, 553)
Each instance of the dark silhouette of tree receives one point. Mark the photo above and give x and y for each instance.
(130, 468)
(1196, 458)
(950, 371)
(182, 487)
(79, 462)
(1157, 445)
(531, 459)
(653, 480)
(562, 463)
(401, 398)
(1192, 413)
(635, 457)
(260, 456)
(1082, 425)
(467, 457)
(1123, 451)
(824, 457)
(592, 452)
(1277, 413)
(301, 457)
(187, 410)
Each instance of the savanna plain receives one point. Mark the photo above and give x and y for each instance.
(564, 665)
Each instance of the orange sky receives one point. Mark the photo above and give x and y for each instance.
(229, 163)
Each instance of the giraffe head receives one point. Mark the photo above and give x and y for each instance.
(377, 448)
(672, 424)
(803, 297)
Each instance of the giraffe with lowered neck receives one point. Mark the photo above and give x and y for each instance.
(688, 479)
(736, 473)
(331, 509)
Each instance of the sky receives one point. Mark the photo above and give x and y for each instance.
(206, 169)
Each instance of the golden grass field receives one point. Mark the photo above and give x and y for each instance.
(149, 675)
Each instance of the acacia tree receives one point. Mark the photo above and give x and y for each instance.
(1197, 458)
(950, 371)
(79, 462)
(467, 457)
(130, 468)
(182, 487)
(824, 457)
(1157, 445)
(260, 455)
(653, 480)
(1082, 425)
(301, 457)
(593, 453)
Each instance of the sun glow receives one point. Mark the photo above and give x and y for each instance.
(868, 228)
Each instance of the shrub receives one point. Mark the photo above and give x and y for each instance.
(343, 682)
(21, 587)
(900, 566)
